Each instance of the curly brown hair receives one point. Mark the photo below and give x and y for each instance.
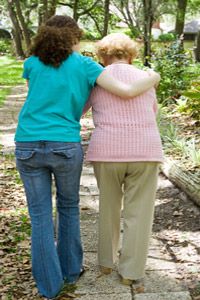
(55, 39)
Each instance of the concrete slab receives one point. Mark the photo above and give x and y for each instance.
(160, 264)
(88, 201)
(164, 296)
(88, 169)
(93, 282)
(155, 282)
(126, 296)
(89, 231)
(159, 253)
(88, 180)
(7, 140)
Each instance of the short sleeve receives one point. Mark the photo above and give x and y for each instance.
(93, 70)
(26, 70)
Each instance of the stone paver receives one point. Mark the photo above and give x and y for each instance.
(101, 296)
(7, 140)
(164, 296)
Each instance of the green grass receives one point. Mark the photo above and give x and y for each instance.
(10, 71)
(10, 75)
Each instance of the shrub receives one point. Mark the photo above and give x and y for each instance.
(173, 144)
(166, 37)
(172, 62)
(132, 33)
(89, 35)
(5, 46)
(192, 95)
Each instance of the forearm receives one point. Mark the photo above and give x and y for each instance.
(126, 91)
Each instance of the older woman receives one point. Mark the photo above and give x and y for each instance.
(125, 150)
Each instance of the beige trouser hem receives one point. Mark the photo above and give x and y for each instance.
(136, 183)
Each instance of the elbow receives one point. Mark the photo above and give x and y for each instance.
(128, 94)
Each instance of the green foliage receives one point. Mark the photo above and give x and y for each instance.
(90, 35)
(10, 75)
(173, 143)
(189, 102)
(166, 37)
(94, 20)
(172, 62)
(192, 95)
(193, 6)
(10, 71)
(132, 33)
(5, 46)
(181, 104)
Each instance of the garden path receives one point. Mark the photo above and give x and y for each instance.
(173, 265)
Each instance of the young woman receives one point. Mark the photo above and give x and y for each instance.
(48, 144)
(125, 149)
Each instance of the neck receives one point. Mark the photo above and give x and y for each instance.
(118, 61)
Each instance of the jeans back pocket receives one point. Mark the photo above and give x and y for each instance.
(24, 154)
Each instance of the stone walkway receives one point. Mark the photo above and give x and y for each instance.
(9, 114)
(163, 280)
(161, 272)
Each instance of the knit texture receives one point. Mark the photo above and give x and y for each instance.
(125, 130)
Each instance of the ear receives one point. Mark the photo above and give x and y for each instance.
(76, 47)
(130, 60)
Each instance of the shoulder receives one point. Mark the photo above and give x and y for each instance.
(84, 60)
(126, 68)
(76, 56)
(31, 60)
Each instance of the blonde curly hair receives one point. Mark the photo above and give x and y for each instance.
(116, 45)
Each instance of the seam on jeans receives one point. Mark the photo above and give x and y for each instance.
(42, 256)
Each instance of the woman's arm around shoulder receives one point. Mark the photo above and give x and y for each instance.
(127, 91)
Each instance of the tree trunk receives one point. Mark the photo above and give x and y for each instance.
(46, 10)
(23, 24)
(106, 17)
(185, 180)
(98, 28)
(52, 8)
(180, 17)
(75, 10)
(42, 11)
(148, 20)
(16, 30)
(197, 48)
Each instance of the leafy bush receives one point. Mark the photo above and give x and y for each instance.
(166, 37)
(5, 46)
(132, 33)
(89, 35)
(192, 95)
(172, 62)
(173, 144)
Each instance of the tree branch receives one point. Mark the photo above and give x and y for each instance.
(86, 11)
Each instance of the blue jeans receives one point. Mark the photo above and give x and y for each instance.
(37, 162)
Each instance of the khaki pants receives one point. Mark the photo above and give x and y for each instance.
(136, 183)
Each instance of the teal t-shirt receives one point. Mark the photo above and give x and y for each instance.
(56, 98)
